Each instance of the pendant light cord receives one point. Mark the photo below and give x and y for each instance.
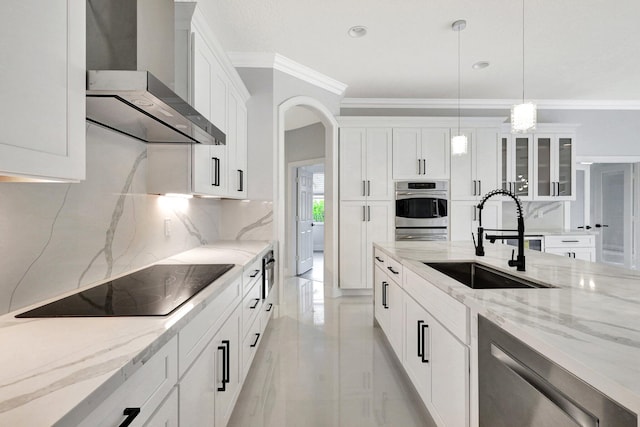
(459, 81)
(523, 51)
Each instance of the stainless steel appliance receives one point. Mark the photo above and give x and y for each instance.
(153, 291)
(268, 273)
(519, 386)
(127, 41)
(422, 210)
(531, 241)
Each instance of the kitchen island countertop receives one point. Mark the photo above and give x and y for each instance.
(589, 323)
(55, 371)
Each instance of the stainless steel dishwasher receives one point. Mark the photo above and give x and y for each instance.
(520, 387)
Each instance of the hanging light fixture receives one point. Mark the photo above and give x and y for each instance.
(523, 116)
(459, 142)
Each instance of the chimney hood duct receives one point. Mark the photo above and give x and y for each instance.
(127, 41)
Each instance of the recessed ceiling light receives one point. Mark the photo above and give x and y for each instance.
(357, 31)
(480, 65)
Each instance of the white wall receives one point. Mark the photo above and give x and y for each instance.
(58, 237)
(305, 143)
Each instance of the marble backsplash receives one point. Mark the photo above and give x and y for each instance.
(537, 215)
(57, 237)
(246, 220)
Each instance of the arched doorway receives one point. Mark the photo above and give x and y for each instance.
(331, 190)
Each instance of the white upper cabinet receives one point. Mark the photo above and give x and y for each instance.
(555, 170)
(476, 172)
(540, 166)
(365, 167)
(420, 153)
(42, 82)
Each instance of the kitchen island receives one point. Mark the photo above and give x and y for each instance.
(58, 371)
(589, 323)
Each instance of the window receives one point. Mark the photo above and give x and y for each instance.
(318, 197)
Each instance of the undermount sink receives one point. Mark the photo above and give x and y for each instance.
(478, 276)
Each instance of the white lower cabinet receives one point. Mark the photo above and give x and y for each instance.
(209, 388)
(432, 353)
(577, 247)
(142, 394)
(167, 414)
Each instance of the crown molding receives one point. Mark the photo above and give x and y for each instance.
(445, 122)
(288, 66)
(487, 104)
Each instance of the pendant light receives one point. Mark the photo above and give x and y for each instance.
(523, 116)
(459, 142)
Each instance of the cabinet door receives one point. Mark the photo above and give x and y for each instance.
(203, 63)
(395, 302)
(449, 377)
(485, 152)
(241, 172)
(227, 382)
(352, 245)
(43, 83)
(380, 292)
(564, 167)
(545, 177)
(585, 254)
(167, 414)
(417, 347)
(209, 168)
(464, 218)
(463, 180)
(517, 152)
(406, 153)
(198, 389)
(379, 228)
(378, 164)
(435, 152)
(352, 164)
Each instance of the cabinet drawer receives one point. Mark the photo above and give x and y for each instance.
(251, 307)
(250, 346)
(251, 275)
(450, 312)
(267, 311)
(144, 390)
(569, 241)
(394, 270)
(380, 259)
(193, 338)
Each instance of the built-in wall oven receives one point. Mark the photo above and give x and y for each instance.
(268, 273)
(422, 210)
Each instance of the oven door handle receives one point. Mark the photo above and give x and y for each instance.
(271, 261)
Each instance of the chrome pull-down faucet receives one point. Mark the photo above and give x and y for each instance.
(519, 261)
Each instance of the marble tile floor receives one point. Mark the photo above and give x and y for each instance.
(317, 272)
(323, 364)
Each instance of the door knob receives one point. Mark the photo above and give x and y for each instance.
(601, 225)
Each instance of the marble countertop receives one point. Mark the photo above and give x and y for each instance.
(589, 324)
(56, 370)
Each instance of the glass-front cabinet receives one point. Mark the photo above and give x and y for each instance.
(517, 164)
(555, 170)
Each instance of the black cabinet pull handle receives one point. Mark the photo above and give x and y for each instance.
(257, 301)
(392, 270)
(420, 346)
(379, 259)
(424, 166)
(225, 347)
(368, 188)
(254, 274)
(424, 328)
(216, 172)
(241, 180)
(255, 343)
(131, 414)
(269, 307)
(384, 294)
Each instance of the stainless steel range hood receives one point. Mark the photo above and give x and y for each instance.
(127, 41)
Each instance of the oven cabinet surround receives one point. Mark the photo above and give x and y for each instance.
(540, 166)
(464, 218)
(420, 153)
(208, 81)
(476, 172)
(43, 113)
(428, 331)
(585, 324)
(574, 246)
(169, 367)
(366, 201)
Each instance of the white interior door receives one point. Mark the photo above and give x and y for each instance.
(304, 221)
(613, 213)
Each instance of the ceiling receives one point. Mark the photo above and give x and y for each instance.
(574, 49)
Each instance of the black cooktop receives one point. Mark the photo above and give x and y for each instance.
(154, 291)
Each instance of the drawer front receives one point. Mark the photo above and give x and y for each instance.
(569, 241)
(145, 390)
(250, 346)
(268, 308)
(251, 307)
(451, 313)
(251, 274)
(380, 259)
(394, 270)
(193, 338)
